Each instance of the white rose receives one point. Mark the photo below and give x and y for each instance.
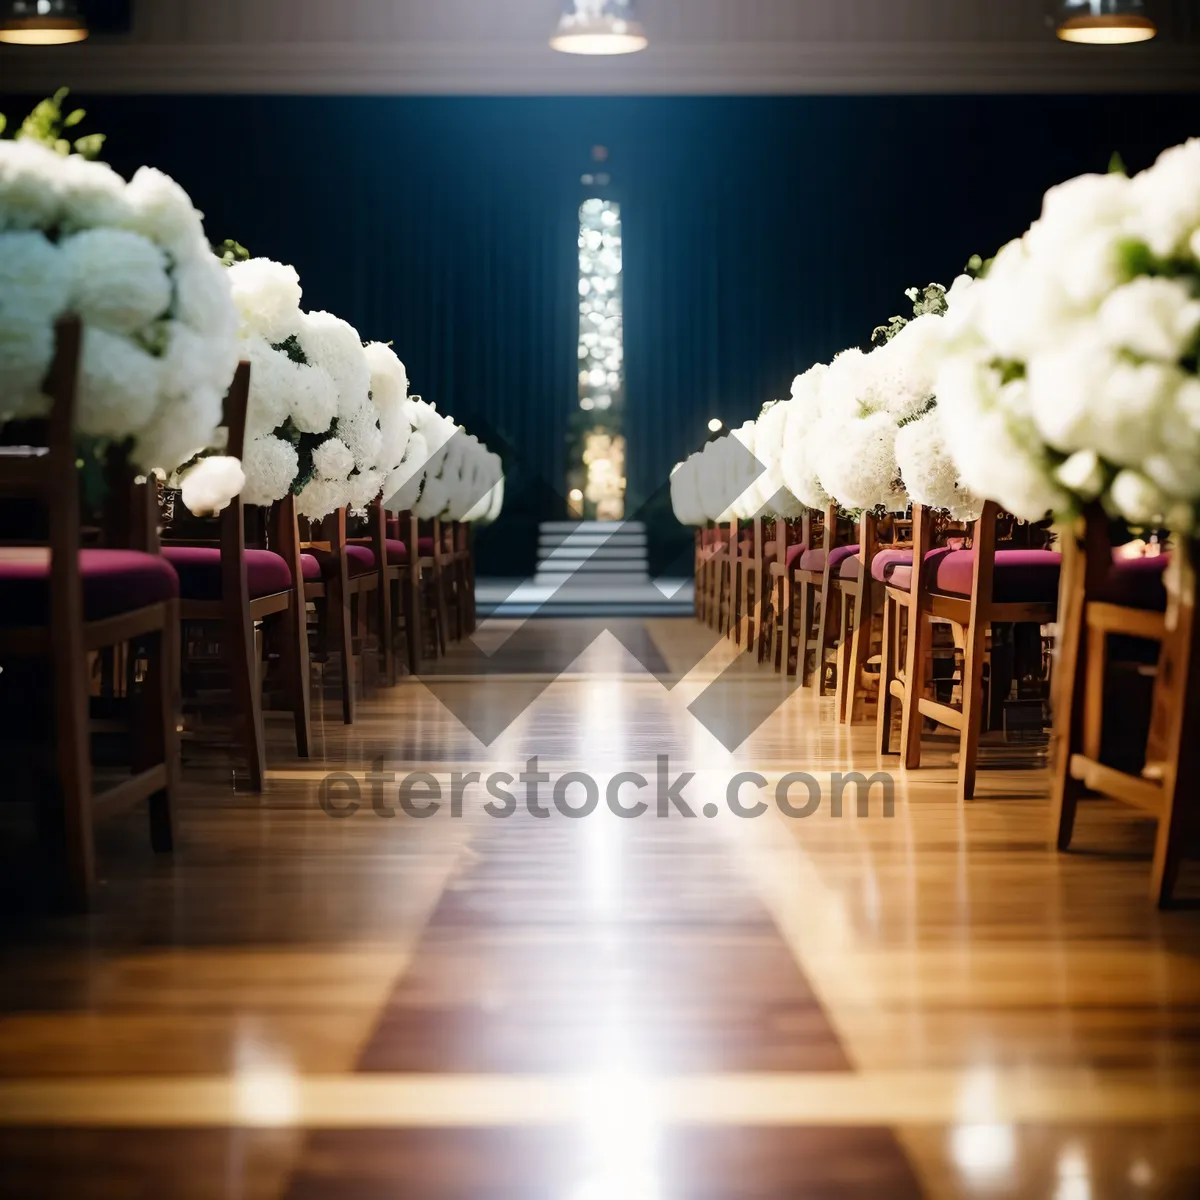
(1137, 499)
(211, 484)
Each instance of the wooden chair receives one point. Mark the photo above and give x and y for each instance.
(61, 604)
(838, 550)
(749, 574)
(397, 568)
(340, 578)
(1106, 598)
(971, 588)
(225, 583)
(783, 556)
(858, 590)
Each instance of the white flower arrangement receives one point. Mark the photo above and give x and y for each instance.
(1070, 374)
(856, 434)
(131, 259)
(801, 449)
(772, 496)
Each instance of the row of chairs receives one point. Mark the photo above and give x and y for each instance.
(152, 603)
(966, 642)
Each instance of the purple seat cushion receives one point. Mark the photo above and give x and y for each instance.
(310, 568)
(814, 560)
(1019, 576)
(425, 547)
(199, 569)
(397, 551)
(886, 562)
(794, 553)
(360, 560)
(114, 582)
(1137, 583)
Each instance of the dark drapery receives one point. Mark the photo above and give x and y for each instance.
(761, 234)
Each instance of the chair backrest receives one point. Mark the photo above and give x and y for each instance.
(39, 467)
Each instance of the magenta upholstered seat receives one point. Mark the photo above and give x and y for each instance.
(310, 568)
(425, 547)
(199, 569)
(794, 553)
(360, 560)
(397, 551)
(814, 560)
(885, 563)
(1137, 583)
(1019, 576)
(114, 582)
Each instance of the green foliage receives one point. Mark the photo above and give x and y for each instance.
(929, 299)
(927, 407)
(292, 348)
(1116, 164)
(47, 124)
(230, 252)
(305, 444)
(977, 266)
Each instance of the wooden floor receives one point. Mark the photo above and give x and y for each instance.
(311, 1006)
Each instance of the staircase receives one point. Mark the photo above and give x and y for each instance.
(587, 569)
(591, 556)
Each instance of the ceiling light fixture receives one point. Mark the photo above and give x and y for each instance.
(41, 22)
(599, 27)
(1104, 22)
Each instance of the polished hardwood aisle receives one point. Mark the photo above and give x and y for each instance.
(306, 1006)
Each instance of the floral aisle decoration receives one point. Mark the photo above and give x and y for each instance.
(772, 497)
(928, 473)
(801, 450)
(1070, 375)
(131, 260)
(856, 434)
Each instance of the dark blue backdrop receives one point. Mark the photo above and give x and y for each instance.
(761, 234)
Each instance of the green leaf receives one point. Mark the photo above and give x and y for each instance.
(1116, 164)
(3, 123)
(90, 145)
(60, 96)
(62, 146)
(73, 118)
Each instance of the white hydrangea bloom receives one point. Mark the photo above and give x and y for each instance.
(271, 465)
(801, 449)
(267, 297)
(182, 428)
(319, 497)
(118, 279)
(1152, 317)
(163, 212)
(31, 186)
(35, 276)
(334, 346)
(332, 459)
(118, 385)
(930, 475)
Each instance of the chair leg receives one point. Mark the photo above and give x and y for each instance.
(843, 678)
(887, 672)
(339, 611)
(827, 633)
(387, 627)
(247, 701)
(972, 718)
(914, 685)
(297, 670)
(783, 622)
(410, 585)
(803, 632)
(443, 621)
(860, 651)
(155, 737)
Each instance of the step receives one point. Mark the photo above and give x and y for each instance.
(591, 566)
(570, 550)
(627, 541)
(591, 583)
(592, 526)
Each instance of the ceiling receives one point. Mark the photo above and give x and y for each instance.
(697, 47)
